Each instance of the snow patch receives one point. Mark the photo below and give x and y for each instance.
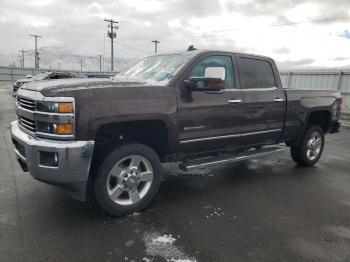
(165, 239)
(164, 246)
(216, 211)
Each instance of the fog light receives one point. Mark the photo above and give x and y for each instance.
(48, 159)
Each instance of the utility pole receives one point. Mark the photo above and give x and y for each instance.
(113, 25)
(81, 64)
(156, 42)
(100, 62)
(36, 54)
(20, 61)
(22, 51)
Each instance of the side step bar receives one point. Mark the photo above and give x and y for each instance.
(227, 158)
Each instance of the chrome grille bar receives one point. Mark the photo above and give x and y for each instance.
(26, 103)
(27, 124)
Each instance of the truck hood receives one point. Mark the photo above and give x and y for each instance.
(69, 84)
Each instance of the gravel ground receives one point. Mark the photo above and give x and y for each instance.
(260, 210)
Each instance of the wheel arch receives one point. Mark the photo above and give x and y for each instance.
(318, 116)
(108, 136)
(321, 117)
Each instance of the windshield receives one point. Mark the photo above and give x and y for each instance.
(157, 68)
(41, 76)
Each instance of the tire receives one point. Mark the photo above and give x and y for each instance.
(294, 153)
(310, 148)
(124, 183)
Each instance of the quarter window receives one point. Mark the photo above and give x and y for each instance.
(256, 73)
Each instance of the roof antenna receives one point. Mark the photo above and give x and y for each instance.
(191, 48)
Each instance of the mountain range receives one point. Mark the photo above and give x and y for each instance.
(62, 58)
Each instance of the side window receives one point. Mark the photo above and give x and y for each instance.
(212, 65)
(256, 73)
(63, 76)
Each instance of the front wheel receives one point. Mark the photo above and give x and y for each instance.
(310, 148)
(127, 180)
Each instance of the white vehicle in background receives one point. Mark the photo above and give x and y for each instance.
(39, 77)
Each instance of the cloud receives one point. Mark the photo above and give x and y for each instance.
(341, 58)
(303, 63)
(240, 25)
(282, 50)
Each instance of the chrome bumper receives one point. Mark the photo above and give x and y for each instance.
(73, 165)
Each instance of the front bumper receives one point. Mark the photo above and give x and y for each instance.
(73, 161)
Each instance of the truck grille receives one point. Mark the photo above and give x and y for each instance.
(26, 103)
(36, 116)
(27, 124)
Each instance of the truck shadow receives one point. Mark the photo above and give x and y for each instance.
(181, 189)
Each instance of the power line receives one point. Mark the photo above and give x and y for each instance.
(132, 48)
(113, 25)
(36, 53)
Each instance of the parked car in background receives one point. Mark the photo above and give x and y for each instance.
(41, 76)
(100, 74)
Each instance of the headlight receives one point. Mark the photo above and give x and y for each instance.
(55, 128)
(55, 107)
(55, 118)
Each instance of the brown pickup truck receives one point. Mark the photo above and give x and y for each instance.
(197, 108)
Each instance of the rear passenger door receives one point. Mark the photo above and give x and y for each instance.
(263, 100)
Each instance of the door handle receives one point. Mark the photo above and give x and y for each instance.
(234, 101)
(277, 99)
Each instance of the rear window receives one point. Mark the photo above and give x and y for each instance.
(256, 73)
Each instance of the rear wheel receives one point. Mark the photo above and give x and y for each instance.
(127, 180)
(310, 148)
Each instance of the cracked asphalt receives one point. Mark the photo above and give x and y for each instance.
(261, 210)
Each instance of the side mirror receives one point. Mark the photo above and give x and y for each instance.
(205, 84)
(213, 80)
(215, 72)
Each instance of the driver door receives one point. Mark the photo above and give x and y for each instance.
(208, 120)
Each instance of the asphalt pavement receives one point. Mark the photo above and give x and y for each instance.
(260, 210)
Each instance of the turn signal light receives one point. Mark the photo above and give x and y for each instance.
(65, 107)
(64, 129)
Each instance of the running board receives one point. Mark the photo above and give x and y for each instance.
(227, 158)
